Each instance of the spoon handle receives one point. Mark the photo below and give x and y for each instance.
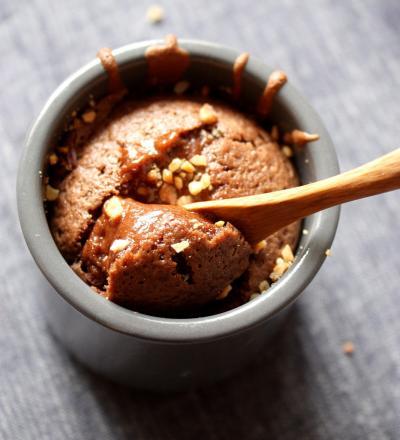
(260, 215)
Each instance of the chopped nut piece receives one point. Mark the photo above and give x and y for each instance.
(113, 208)
(196, 225)
(168, 194)
(181, 246)
(89, 116)
(181, 87)
(183, 174)
(254, 296)
(275, 133)
(53, 159)
(205, 180)
(188, 167)
(167, 176)
(148, 144)
(119, 245)
(207, 114)
(264, 285)
(155, 14)
(199, 160)
(184, 200)
(195, 187)
(225, 292)
(328, 253)
(178, 182)
(154, 175)
(287, 151)
(348, 348)
(51, 193)
(219, 223)
(279, 269)
(259, 246)
(305, 231)
(287, 254)
(175, 164)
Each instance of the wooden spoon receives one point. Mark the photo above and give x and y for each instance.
(261, 215)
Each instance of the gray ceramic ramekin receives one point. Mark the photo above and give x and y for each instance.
(151, 352)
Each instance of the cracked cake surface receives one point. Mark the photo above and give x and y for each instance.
(172, 150)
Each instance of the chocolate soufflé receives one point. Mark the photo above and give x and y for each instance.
(125, 167)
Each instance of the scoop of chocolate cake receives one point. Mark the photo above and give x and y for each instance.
(161, 259)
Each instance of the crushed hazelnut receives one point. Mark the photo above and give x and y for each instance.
(155, 14)
(167, 176)
(181, 246)
(287, 254)
(205, 180)
(328, 253)
(113, 208)
(225, 292)
(183, 174)
(184, 200)
(187, 166)
(181, 87)
(282, 264)
(51, 193)
(119, 245)
(168, 194)
(89, 116)
(207, 114)
(278, 271)
(259, 246)
(287, 151)
(264, 285)
(53, 159)
(153, 175)
(219, 223)
(175, 164)
(178, 182)
(348, 348)
(199, 160)
(195, 187)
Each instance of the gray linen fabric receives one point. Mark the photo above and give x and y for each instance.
(345, 57)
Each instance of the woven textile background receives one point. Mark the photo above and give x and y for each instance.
(345, 58)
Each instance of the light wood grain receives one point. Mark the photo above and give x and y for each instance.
(261, 215)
